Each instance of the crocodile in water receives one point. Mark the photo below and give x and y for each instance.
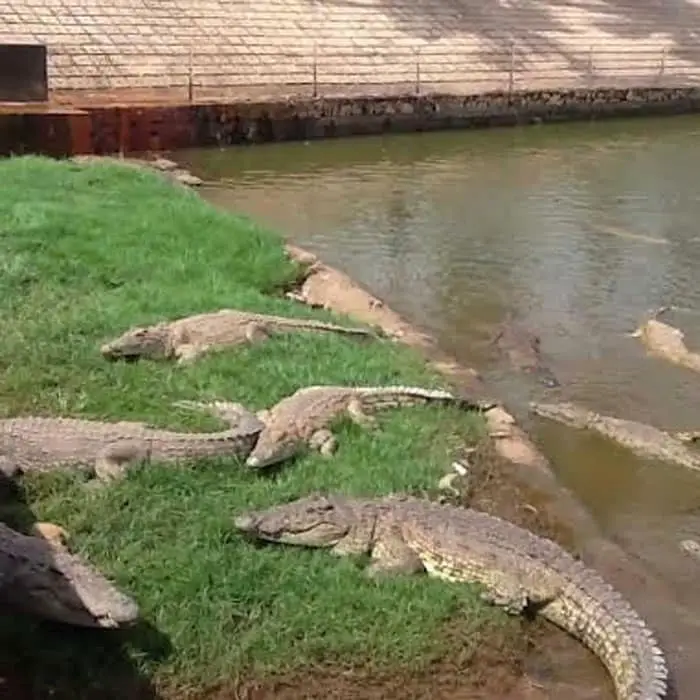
(517, 570)
(522, 349)
(187, 339)
(52, 583)
(642, 439)
(108, 449)
(668, 343)
(305, 417)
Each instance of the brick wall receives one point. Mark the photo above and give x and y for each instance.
(238, 48)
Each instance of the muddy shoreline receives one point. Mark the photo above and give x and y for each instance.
(326, 287)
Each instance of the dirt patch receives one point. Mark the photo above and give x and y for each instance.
(494, 670)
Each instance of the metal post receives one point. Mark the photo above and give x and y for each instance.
(511, 68)
(418, 71)
(662, 68)
(589, 73)
(190, 78)
(315, 71)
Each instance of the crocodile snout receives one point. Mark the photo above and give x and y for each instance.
(113, 354)
(245, 523)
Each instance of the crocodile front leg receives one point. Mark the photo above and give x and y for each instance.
(324, 442)
(187, 353)
(9, 468)
(114, 460)
(256, 333)
(391, 556)
(689, 437)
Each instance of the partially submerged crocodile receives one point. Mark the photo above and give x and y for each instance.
(108, 449)
(522, 349)
(667, 342)
(305, 417)
(644, 440)
(50, 582)
(517, 569)
(187, 339)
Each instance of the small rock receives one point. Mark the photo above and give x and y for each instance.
(691, 547)
(447, 483)
(163, 164)
(460, 468)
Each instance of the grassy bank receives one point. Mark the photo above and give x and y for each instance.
(88, 251)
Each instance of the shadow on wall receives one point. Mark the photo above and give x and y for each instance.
(527, 26)
(41, 660)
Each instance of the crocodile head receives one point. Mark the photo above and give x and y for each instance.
(273, 446)
(142, 342)
(546, 377)
(312, 521)
(566, 413)
(70, 591)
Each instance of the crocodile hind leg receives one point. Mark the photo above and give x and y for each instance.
(515, 599)
(232, 413)
(391, 556)
(54, 534)
(114, 460)
(358, 416)
(256, 333)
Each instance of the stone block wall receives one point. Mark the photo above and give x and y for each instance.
(245, 49)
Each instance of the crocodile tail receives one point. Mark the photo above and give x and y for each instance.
(410, 395)
(608, 625)
(301, 324)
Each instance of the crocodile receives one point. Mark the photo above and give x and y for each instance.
(107, 450)
(516, 569)
(187, 339)
(522, 349)
(305, 417)
(54, 584)
(642, 439)
(667, 343)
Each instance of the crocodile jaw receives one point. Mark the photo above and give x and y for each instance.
(139, 342)
(308, 522)
(269, 451)
(73, 593)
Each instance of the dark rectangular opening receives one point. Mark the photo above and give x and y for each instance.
(23, 73)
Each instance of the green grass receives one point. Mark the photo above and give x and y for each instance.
(88, 251)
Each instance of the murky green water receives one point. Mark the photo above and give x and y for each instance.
(579, 229)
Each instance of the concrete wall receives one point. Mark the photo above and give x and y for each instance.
(154, 49)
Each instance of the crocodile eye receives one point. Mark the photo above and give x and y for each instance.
(321, 508)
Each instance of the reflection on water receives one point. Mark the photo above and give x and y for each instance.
(579, 229)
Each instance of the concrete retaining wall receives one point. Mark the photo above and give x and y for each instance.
(217, 49)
